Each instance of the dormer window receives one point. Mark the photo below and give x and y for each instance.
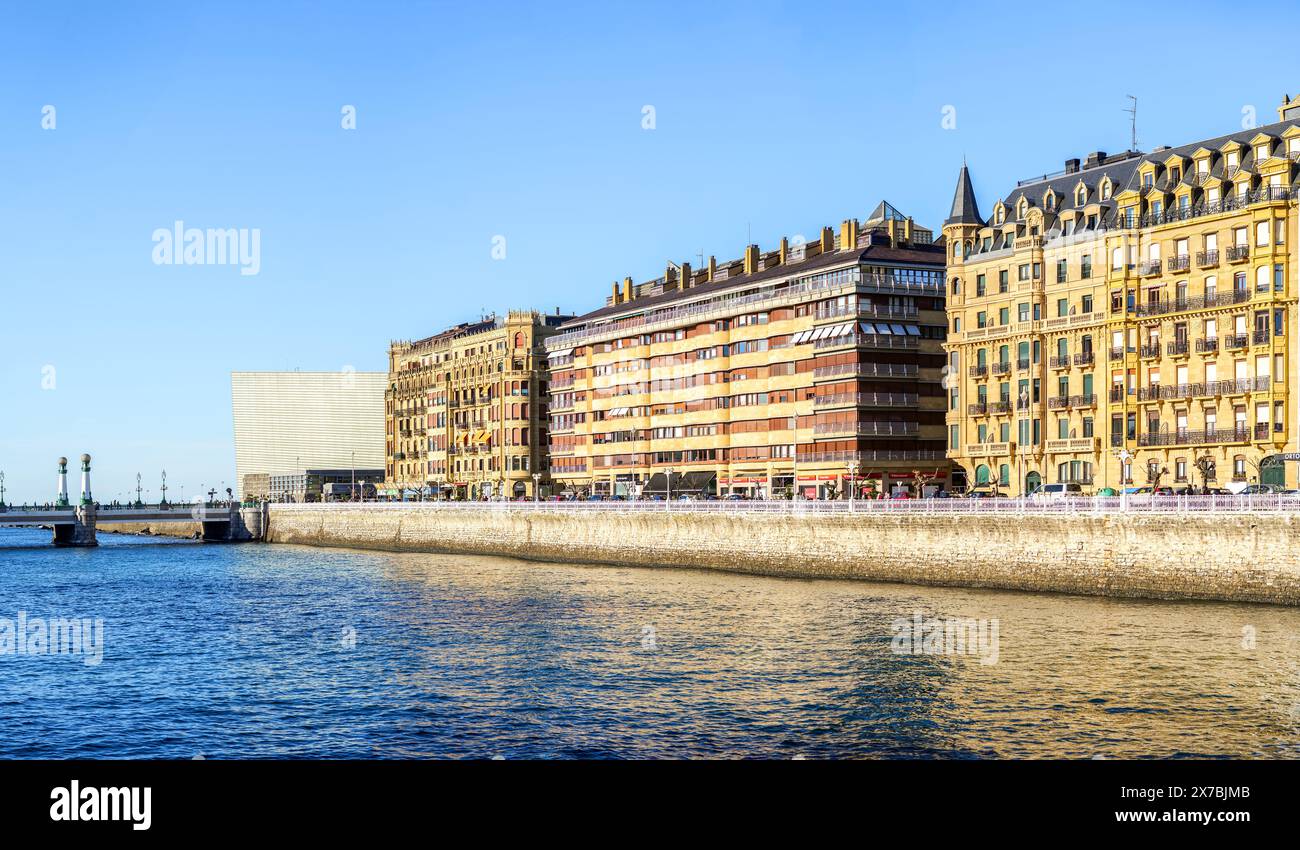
(997, 215)
(1148, 179)
(1105, 190)
(1203, 167)
(1261, 151)
(1232, 159)
(1175, 173)
(1024, 208)
(1080, 196)
(1050, 202)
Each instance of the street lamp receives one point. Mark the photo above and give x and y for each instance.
(853, 474)
(668, 486)
(537, 479)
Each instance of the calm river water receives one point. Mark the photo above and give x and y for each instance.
(279, 651)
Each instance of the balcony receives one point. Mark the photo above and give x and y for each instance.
(1074, 444)
(867, 341)
(1058, 402)
(977, 409)
(1147, 351)
(1178, 348)
(1022, 364)
(1190, 437)
(1149, 267)
(1001, 368)
(979, 371)
(867, 370)
(1083, 400)
(1000, 407)
(1235, 341)
(1181, 263)
(1238, 253)
(1116, 394)
(872, 456)
(988, 449)
(1260, 337)
(1207, 345)
(1205, 259)
(1059, 361)
(1084, 359)
(866, 400)
(1117, 354)
(867, 429)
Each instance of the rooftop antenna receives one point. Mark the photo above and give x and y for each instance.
(1133, 122)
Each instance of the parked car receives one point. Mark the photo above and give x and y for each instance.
(1259, 489)
(1064, 490)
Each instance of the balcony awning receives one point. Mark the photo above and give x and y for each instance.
(801, 337)
(563, 352)
(882, 328)
(912, 330)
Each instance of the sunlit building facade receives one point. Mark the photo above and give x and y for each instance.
(1130, 320)
(466, 410)
(811, 368)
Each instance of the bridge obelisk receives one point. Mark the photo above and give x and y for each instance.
(61, 501)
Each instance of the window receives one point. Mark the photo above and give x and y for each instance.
(1085, 267)
(1062, 306)
(979, 286)
(1263, 233)
(1022, 312)
(1022, 272)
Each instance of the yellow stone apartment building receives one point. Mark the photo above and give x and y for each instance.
(814, 366)
(1129, 320)
(466, 413)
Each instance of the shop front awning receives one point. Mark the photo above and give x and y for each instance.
(683, 484)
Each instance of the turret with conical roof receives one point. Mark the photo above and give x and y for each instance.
(963, 221)
(964, 208)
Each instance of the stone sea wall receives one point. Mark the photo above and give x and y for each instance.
(183, 530)
(1239, 557)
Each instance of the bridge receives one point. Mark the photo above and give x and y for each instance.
(76, 525)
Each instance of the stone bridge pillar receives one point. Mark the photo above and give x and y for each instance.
(78, 533)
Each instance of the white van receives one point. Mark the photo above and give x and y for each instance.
(1057, 491)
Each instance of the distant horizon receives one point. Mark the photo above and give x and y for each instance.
(358, 178)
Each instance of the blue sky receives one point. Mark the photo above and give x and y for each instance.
(514, 120)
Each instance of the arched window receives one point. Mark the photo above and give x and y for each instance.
(981, 474)
(519, 340)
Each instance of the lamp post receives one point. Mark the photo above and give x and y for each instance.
(537, 480)
(164, 488)
(2, 489)
(138, 503)
(668, 486)
(354, 476)
(853, 475)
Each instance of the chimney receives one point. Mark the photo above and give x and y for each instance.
(1071, 166)
(909, 230)
(629, 289)
(687, 280)
(617, 296)
(751, 259)
(785, 250)
(828, 240)
(892, 229)
(670, 277)
(849, 234)
(1094, 159)
(713, 267)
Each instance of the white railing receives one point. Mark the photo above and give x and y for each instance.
(1195, 505)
